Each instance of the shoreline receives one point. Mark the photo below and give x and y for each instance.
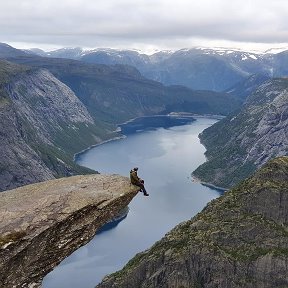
(207, 184)
(171, 114)
(118, 129)
(98, 144)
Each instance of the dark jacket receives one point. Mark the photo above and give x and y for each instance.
(134, 177)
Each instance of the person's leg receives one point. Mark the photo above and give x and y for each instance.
(143, 189)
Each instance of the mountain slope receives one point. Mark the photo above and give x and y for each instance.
(238, 240)
(117, 93)
(246, 87)
(9, 51)
(43, 124)
(245, 140)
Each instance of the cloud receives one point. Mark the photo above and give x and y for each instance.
(144, 22)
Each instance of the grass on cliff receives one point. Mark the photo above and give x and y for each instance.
(227, 228)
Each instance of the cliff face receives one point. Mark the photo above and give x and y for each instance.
(41, 224)
(42, 125)
(238, 240)
(244, 141)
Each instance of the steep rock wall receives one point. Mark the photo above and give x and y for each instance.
(42, 125)
(246, 140)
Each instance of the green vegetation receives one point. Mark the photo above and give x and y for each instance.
(229, 142)
(8, 70)
(237, 227)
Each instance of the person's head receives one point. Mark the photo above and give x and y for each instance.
(135, 169)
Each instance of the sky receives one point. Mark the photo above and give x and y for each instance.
(145, 25)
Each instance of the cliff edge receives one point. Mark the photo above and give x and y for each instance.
(41, 224)
(238, 240)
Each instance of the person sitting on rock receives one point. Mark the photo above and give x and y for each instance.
(135, 180)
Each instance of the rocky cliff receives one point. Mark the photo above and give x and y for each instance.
(42, 125)
(41, 224)
(238, 240)
(245, 140)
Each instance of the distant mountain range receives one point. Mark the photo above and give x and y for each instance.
(197, 68)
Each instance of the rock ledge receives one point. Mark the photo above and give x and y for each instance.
(41, 224)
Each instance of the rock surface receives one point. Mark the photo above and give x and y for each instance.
(42, 125)
(238, 240)
(41, 224)
(246, 140)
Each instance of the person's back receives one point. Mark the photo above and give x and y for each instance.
(134, 177)
(135, 180)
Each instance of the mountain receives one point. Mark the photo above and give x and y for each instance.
(191, 68)
(216, 69)
(239, 240)
(9, 51)
(245, 140)
(42, 124)
(244, 88)
(197, 68)
(69, 53)
(53, 108)
(106, 56)
(200, 69)
(280, 64)
(118, 93)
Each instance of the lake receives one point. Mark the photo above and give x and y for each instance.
(166, 156)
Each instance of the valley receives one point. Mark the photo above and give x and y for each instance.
(54, 105)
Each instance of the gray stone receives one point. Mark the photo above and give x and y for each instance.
(41, 224)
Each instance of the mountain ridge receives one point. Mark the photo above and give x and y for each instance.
(180, 67)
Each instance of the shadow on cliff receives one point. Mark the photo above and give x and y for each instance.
(114, 222)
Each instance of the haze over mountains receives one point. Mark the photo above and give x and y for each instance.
(196, 68)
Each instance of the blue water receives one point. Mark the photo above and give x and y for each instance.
(165, 157)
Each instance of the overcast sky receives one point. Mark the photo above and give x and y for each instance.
(143, 24)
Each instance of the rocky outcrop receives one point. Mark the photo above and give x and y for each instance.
(238, 240)
(244, 141)
(41, 224)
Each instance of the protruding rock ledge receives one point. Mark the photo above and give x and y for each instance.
(41, 224)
